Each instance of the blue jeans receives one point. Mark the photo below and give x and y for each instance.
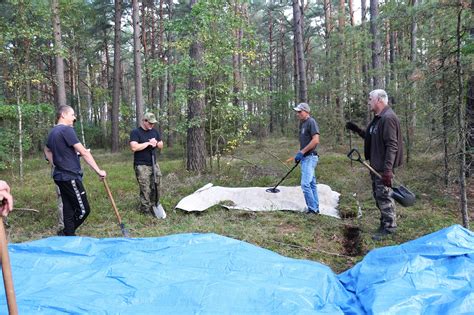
(308, 181)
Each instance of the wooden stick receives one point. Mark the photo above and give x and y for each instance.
(109, 193)
(25, 209)
(112, 201)
(7, 272)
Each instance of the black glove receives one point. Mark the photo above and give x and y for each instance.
(353, 127)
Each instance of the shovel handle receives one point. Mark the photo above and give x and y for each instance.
(354, 155)
(109, 193)
(7, 272)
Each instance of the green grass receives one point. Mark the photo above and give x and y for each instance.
(319, 238)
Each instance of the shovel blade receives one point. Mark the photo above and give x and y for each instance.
(403, 196)
(124, 231)
(159, 211)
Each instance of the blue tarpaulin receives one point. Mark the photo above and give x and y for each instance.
(212, 274)
(430, 275)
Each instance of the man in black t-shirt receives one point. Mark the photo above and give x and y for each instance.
(143, 141)
(308, 156)
(61, 150)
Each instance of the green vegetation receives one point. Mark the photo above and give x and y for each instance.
(336, 243)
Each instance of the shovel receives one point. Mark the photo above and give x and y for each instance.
(274, 188)
(7, 271)
(122, 226)
(401, 194)
(158, 210)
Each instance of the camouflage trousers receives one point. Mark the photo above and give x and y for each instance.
(144, 175)
(385, 203)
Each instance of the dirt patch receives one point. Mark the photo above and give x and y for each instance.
(348, 214)
(352, 240)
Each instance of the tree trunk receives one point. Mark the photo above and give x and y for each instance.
(328, 50)
(461, 128)
(137, 62)
(195, 145)
(60, 84)
(161, 80)
(411, 97)
(445, 120)
(89, 91)
(20, 134)
(236, 57)
(270, 66)
(75, 82)
(154, 47)
(170, 85)
(116, 85)
(376, 46)
(147, 40)
(392, 59)
(351, 12)
(470, 123)
(340, 75)
(470, 113)
(295, 71)
(365, 65)
(298, 33)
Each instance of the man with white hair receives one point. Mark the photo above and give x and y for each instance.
(383, 147)
(308, 156)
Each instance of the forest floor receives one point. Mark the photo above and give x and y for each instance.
(338, 243)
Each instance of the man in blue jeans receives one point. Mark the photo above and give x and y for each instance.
(308, 156)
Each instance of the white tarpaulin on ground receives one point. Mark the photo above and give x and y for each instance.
(258, 199)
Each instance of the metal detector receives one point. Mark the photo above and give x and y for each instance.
(274, 189)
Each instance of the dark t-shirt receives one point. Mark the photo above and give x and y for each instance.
(308, 129)
(141, 135)
(61, 140)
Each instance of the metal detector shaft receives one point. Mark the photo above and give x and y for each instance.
(7, 272)
(122, 226)
(291, 170)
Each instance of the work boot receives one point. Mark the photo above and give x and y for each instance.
(382, 233)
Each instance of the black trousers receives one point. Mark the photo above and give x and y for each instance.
(75, 205)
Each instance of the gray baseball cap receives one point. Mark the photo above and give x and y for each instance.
(302, 106)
